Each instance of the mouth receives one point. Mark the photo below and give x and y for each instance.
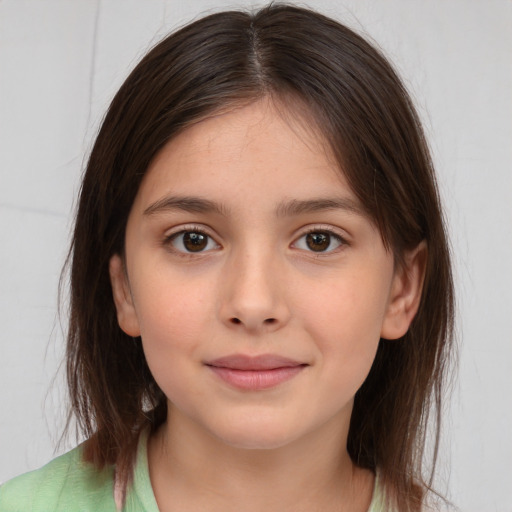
(254, 373)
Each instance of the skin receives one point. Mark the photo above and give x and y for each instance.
(257, 287)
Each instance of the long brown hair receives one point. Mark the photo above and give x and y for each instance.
(366, 115)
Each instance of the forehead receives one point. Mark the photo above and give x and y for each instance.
(255, 148)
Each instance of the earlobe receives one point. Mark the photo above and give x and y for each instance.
(405, 295)
(126, 314)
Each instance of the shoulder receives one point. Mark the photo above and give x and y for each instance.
(67, 483)
(378, 501)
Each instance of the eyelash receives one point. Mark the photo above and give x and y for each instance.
(324, 231)
(168, 241)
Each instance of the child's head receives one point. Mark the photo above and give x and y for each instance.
(339, 96)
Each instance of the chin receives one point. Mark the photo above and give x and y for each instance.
(256, 444)
(257, 436)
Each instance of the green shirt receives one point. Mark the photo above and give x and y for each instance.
(68, 484)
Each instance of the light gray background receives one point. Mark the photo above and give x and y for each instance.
(60, 64)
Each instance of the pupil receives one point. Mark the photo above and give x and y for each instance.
(194, 242)
(318, 241)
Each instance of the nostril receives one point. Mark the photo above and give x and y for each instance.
(267, 321)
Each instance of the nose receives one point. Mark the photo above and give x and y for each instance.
(254, 292)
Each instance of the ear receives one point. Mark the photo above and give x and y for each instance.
(126, 314)
(405, 295)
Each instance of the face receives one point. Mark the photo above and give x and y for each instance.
(258, 285)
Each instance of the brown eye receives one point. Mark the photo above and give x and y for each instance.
(319, 241)
(192, 241)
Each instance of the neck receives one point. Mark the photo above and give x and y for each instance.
(192, 470)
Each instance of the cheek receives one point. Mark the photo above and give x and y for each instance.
(172, 326)
(353, 308)
(345, 326)
(170, 305)
(172, 320)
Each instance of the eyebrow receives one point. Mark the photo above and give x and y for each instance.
(298, 207)
(285, 209)
(186, 204)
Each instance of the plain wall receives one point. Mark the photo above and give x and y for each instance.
(60, 64)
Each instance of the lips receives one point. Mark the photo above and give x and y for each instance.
(255, 372)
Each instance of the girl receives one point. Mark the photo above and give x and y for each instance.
(261, 293)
